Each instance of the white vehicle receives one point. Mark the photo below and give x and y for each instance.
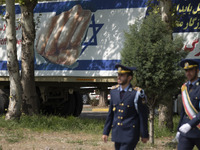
(95, 95)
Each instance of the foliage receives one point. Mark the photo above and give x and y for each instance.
(54, 123)
(149, 46)
(26, 2)
(93, 102)
(165, 132)
(71, 124)
(174, 17)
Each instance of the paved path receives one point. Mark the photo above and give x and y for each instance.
(94, 115)
(94, 112)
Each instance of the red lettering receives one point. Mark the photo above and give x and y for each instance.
(4, 27)
(193, 45)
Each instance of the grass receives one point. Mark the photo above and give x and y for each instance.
(14, 136)
(40, 123)
(164, 132)
(13, 131)
(54, 123)
(75, 124)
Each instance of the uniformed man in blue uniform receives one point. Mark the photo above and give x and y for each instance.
(128, 112)
(188, 134)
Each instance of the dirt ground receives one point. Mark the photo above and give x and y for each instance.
(29, 140)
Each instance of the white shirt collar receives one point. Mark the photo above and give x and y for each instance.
(193, 83)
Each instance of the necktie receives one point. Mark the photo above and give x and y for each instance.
(190, 87)
(122, 94)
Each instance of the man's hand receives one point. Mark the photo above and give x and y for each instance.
(185, 128)
(177, 137)
(144, 140)
(105, 138)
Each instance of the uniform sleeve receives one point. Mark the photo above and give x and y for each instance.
(195, 121)
(143, 112)
(109, 120)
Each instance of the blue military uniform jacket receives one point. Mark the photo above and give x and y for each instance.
(127, 117)
(194, 95)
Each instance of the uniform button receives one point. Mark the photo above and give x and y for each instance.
(119, 110)
(122, 104)
(112, 125)
(128, 106)
(122, 111)
(133, 126)
(121, 117)
(121, 124)
(114, 108)
(118, 117)
(118, 124)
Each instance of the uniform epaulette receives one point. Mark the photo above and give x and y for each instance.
(137, 88)
(115, 86)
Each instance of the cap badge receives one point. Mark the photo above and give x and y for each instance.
(186, 64)
(119, 69)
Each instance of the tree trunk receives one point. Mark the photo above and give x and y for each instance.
(162, 115)
(151, 124)
(102, 98)
(165, 7)
(30, 99)
(15, 97)
(166, 115)
(166, 110)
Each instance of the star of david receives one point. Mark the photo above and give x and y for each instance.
(95, 29)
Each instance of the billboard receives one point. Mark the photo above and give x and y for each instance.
(77, 37)
(85, 37)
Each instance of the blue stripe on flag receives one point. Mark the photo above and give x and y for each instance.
(93, 5)
(82, 65)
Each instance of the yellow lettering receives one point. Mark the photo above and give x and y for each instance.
(177, 8)
(197, 25)
(186, 26)
(192, 20)
(194, 12)
(179, 24)
(198, 9)
(189, 9)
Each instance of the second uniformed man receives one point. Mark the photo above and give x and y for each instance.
(128, 112)
(188, 133)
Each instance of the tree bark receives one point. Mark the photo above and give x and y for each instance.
(166, 115)
(103, 98)
(162, 115)
(165, 7)
(15, 97)
(166, 110)
(151, 124)
(30, 99)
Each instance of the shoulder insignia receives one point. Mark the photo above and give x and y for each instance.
(115, 86)
(137, 88)
(130, 89)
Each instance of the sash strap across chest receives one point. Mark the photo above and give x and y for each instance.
(188, 106)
